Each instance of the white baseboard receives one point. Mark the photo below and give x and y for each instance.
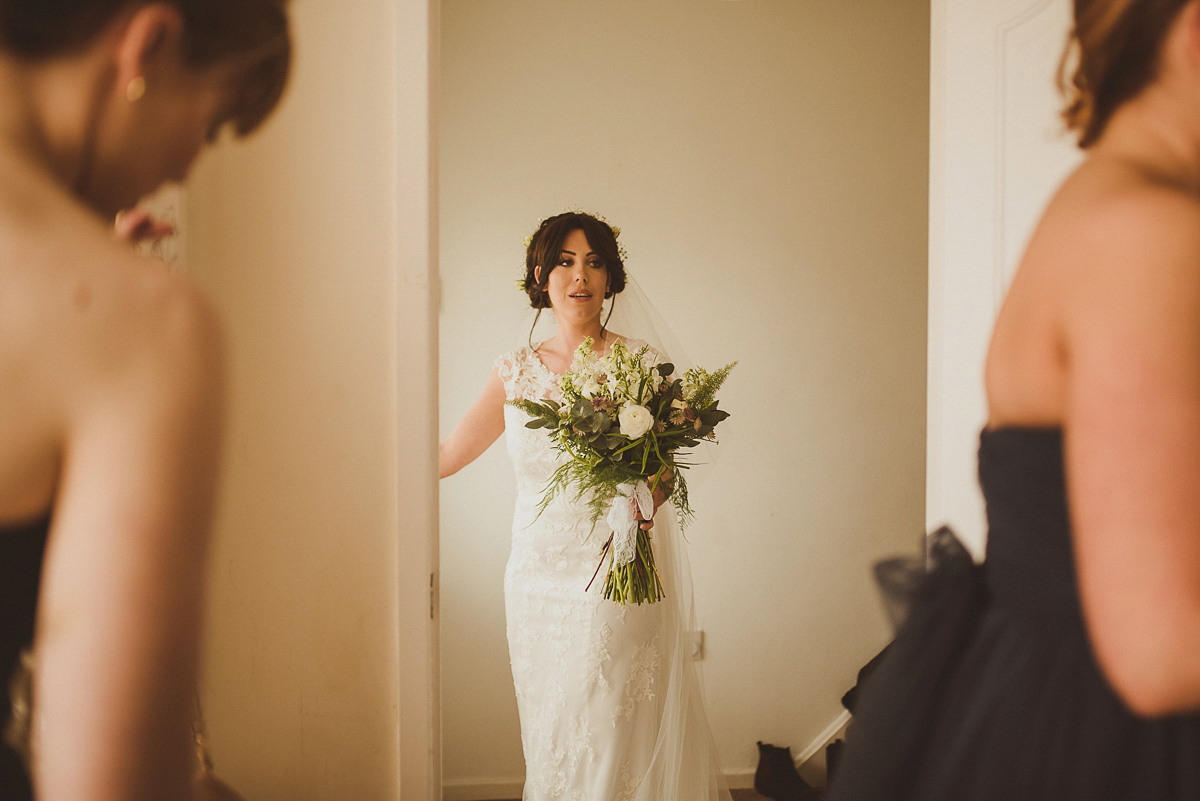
(741, 780)
(469, 790)
(492, 790)
(824, 738)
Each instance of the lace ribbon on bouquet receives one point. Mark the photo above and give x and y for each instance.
(623, 519)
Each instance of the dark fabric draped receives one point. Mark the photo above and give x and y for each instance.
(991, 690)
(21, 552)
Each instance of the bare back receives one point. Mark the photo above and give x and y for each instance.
(74, 305)
(110, 407)
(45, 292)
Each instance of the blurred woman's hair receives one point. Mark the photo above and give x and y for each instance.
(251, 31)
(1112, 54)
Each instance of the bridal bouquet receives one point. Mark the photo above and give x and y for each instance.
(623, 421)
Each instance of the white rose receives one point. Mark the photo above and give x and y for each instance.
(635, 420)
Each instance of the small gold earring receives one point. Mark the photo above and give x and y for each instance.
(135, 90)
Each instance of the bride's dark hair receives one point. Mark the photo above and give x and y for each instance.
(546, 245)
(253, 30)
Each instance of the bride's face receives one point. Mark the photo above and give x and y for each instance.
(578, 281)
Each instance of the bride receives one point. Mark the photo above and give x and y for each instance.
(608, 698)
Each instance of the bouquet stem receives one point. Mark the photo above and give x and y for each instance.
(635, 582)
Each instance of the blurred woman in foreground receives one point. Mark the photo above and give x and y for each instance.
(1067, 666)
(110, 382)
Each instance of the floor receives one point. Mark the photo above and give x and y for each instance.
(738, 795)
(750, 795)
(812, 771)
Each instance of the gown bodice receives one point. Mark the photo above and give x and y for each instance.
(1030, 566)
(22, 548)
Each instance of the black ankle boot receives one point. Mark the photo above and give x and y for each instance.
(776, 777)
(833, 753)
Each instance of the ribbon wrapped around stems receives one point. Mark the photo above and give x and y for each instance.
(632, 576)
(634, 503)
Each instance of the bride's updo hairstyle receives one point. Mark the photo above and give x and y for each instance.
(546, 244)
(1112, 54)
(253, 31)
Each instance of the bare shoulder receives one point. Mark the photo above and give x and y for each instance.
(1111, 268)
(101, 318)
(150, 323)
(1113, 242)
(167, 312)
(1112, 220)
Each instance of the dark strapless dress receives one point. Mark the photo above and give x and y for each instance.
(21, 551)
(991, 690)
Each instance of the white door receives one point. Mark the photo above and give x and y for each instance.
(997, 151)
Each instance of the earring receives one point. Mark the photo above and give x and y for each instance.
(135, 90)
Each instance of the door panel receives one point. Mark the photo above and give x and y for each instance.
(997, 152)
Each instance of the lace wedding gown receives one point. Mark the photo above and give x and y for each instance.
(610, 708)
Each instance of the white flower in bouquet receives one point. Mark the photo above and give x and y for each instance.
(635, 420)
(584, 358)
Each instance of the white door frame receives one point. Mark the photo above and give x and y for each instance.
(416, 67)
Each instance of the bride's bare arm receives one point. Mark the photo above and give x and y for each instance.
(121, 601)
(478, 429)
(1132, 355)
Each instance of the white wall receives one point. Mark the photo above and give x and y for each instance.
(767, 163)
(295, 235)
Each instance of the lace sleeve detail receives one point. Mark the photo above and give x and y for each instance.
(524, 376)
(508, 367)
